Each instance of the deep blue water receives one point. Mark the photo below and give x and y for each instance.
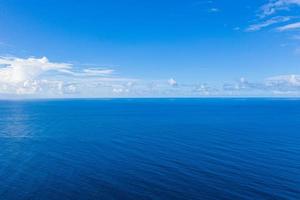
(150, 149)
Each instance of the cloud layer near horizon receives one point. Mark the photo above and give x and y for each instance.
(40, 78)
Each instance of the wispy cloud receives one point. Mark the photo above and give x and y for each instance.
(271, 8)
(268, 16)
(274, 6)
(269, 22)
(288, 27)
(214, 10)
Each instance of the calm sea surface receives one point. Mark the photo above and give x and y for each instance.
(150, 149)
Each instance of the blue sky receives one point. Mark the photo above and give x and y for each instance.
(131, 48)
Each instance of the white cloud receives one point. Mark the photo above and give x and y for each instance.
(206, 90)
(97, 72)
(117, 90)
(277, 85)
(284, 80)
(276, 5)
(241, 84)
(172, 82)
(40, 77)
(264, 24)
(214, 10)
(24, 76)
(284, 85)
(16, 70)
(289, 27)
(271, 8)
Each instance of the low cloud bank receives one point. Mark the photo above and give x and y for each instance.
(40, 78)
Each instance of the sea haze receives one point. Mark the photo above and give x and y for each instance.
(150, 149)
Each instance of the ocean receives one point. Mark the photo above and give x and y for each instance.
(240, 148)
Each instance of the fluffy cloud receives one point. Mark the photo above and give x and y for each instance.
(284, 85)
(23, 76)
(40, 77)
(290, 81)
(206, 90)
(17, 70)
(277, 85)
(172, 82)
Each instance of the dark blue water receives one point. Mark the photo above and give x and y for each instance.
(150, 149)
